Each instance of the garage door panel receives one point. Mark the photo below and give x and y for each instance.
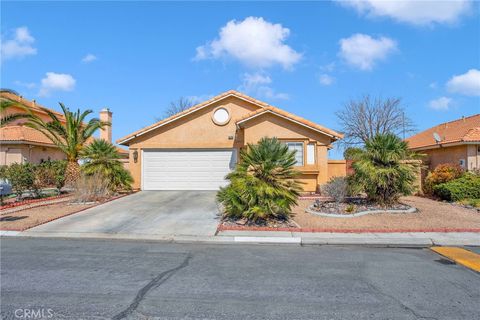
(186, 169)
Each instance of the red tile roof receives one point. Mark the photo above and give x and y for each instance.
(22, 134)
(463, 130)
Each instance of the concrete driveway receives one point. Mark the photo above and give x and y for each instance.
(166, 213)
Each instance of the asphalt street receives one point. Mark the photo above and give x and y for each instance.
(115, 279)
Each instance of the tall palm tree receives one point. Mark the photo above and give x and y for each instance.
(69, 136)
(102, 158)
(263, 185)
(384, 169)
(6, 104)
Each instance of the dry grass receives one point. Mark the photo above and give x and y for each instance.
(432, 215)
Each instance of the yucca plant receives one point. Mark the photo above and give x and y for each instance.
(70, 135)
(263, 186)
(384, 170)
(102, 159)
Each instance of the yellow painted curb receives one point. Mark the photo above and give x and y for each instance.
(460, 256)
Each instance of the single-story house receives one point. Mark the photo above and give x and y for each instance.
(21, 144)
(195, 149)
(456, 141)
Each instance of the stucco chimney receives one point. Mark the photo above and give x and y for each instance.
(106, 132)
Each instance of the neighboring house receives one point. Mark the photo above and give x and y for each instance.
(195, 149)
(456, 141)
(20, 144)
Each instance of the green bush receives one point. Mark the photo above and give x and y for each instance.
(466, 187)
(51, 174)
(442, 173)
(263, 186)
(22, 178)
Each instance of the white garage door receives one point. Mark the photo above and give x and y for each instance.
(186, 169)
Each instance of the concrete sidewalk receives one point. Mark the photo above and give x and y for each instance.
(420, 239)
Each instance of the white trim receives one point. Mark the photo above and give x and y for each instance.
(186, 114)
(289, 119)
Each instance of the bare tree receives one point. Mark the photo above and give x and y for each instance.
(363, 119)
(177, 106)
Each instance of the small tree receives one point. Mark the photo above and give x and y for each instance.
(363, 119)
(22, 178)
(263, 186)
(102, 159)
(382, 170)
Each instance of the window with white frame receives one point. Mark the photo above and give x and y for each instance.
(298, 147)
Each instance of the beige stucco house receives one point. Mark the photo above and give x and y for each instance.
(21, 144)
(195, 149)
(456, 141)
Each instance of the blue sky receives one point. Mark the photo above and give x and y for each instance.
(308, 58)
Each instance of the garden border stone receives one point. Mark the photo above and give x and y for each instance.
(359, 214)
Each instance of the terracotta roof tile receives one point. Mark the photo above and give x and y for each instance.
(23, 134)
(291, 117)
(466, 129)
(32, 105)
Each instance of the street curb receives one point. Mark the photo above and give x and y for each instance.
(394, 240)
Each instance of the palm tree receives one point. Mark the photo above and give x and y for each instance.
(384, 169)
(5, 119)
(263, 185)
(70, 135)
(102, 158)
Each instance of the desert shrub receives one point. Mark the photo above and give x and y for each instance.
(442, 173)
(91, 188)
(263, 186)
(102, 159)
(381, 169)
(51, 174)
(22, 178)
(336, 188)
(465, 187)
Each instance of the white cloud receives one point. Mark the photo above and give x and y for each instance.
(326, 79)
(442, 103)
(200, 98)
(362, 51)
(20, 46)
(467, 83)
(56, 82)
(258, 84)
(254, 42)
(89, 58)
(423, 12)
(28, 85)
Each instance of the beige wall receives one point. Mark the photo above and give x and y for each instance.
(197, 130)
(445, 155)
(337, 168)
(20, 153)
(473, 156)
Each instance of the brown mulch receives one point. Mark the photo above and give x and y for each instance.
(29, 218)
(431, 215)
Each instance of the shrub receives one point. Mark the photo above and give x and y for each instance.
(381, 169)
(51, 174)
(336, 188)
(466, 187)
(442, 173)
(102, 159)
(263, 186)
(91, 188)
(22, 178)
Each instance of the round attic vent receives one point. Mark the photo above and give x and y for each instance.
(221, 116)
